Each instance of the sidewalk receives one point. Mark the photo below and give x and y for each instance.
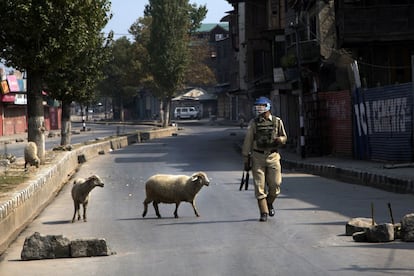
(368, 173)
(8, 139)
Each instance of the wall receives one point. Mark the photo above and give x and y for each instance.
(14, 119)
(338, 108)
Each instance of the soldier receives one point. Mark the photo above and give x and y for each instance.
(265, 134)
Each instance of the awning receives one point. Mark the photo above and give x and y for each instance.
(195, 94)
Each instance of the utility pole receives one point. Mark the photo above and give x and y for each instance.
(295, 27)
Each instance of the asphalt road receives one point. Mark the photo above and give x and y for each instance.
(306, 237)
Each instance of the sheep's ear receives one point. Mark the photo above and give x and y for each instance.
(195, 177)
(95, 178)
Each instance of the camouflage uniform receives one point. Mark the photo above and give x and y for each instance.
(260, 144)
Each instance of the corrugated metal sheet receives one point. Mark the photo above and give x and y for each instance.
(338, 111)
(389, 115)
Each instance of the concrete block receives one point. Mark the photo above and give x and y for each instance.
(37, 247)
(89, 248)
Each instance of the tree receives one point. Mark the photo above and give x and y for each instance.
(141, 31)
(39, 37)
(199, 72)
(122, 75)
(77, 81)
(168, 47)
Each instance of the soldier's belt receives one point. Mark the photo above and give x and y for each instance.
(265, 151)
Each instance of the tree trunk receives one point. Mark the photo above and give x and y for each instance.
(167, 107)
(35, 112)
(161, 114)
(65, 132)
(121, 109)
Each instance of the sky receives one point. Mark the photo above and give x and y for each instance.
(125, 12)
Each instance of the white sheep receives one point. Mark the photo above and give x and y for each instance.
(167, 188)
(30, 155)
(81, 193)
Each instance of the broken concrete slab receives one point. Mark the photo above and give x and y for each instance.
(37, 247)
(89, 248)
(381, 233)
(407, 228)
(376, 233)
(360, 236)
(357, 225)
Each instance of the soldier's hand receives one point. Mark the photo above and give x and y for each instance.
(247, 166)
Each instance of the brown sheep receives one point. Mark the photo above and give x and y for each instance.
(81, 192)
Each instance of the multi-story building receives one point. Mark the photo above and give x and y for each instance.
(257, 30)
(380, 35)
(311, 57)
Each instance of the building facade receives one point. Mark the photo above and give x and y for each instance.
(333, 70)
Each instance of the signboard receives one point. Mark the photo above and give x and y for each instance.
(8, 98)
(22, 85)
(4, 87)
(278, 75)
(13, 83)
(20, 99)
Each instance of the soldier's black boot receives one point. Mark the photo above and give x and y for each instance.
(269, 201)
(271, 209)
(263, 217)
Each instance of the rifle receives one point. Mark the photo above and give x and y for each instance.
(245, 180)
(242, 182)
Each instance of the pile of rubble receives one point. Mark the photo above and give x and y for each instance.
(367, 230)
(37, 247)
(5, 161)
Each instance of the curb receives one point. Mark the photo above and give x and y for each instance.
(383, 182)
(19, 211)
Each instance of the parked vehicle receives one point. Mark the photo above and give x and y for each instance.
(186, 112)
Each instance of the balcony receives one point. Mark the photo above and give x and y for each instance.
(309, 51)
(384, 23)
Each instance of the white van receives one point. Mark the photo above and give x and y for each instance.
(186, 112)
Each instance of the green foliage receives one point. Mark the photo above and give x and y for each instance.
(61, 40)
(168, 45)
(197, 14)
(41, 35)
(119, 69)
(76, 80)
(200, 72)
(123, 72)
(44, 37)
